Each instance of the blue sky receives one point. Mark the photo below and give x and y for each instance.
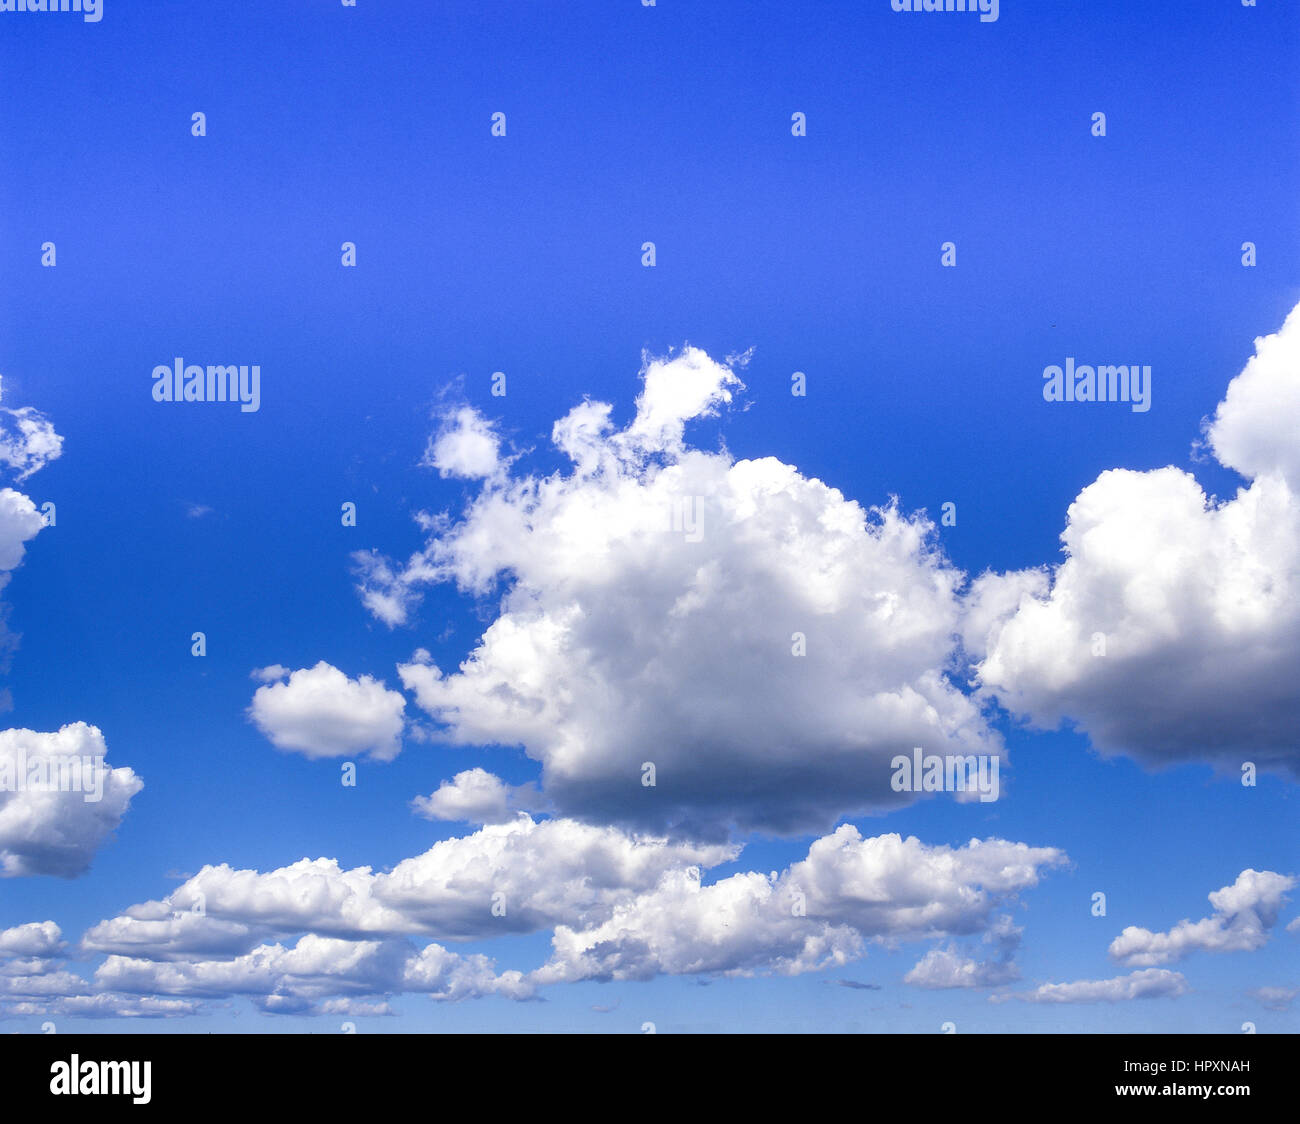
(523, 254)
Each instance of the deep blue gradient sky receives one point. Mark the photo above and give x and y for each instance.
(477, 254)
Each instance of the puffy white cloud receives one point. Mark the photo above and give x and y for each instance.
(886, 885)
(316, 965)
(320, 712)
(19, 523)
(46, 989)
(27, 441)
(290, 980)
(159, 931)
(1172, 627)
(59, 800)
(948, 967)
(544, 873)
(446, 975)
(474, 796)
(1259, 893)
(654, 597)
(1244, 913)
(738, 926)
(548, 872)
(466, 446)
(273, 673)
(1150, 983)
(37, 939)
(1254, 428)
(223, 912)
(991, 599)
(819, 912)
(52, 982)
(621, 907)
(675, 391)
(35, 982)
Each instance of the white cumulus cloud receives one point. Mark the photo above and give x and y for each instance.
(37, 939)
(320, 712)
(767, 644)
(547, 872)
(474, 796)
(1244, 913)
(1172, 629)
(620, 907)
(819, 912)
(59, 800)
(948, 967)
(27, 441)
(466, 446)
(1254, 427)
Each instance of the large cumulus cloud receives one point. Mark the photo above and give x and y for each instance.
(767, 644)
(51, 827)
(1171, 632)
